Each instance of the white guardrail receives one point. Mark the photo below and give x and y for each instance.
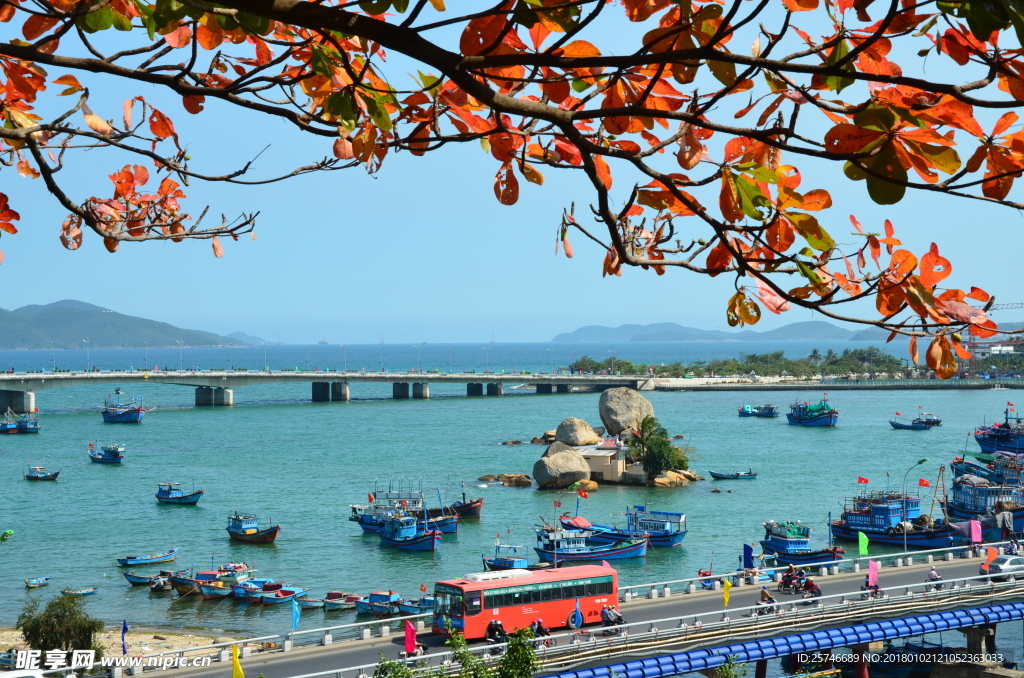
(384, 627)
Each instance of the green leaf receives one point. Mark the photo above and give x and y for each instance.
(887, 164)
(943, 158)
(253, 23)
(580, 85)
(429, 82)
(377, 112)
(838, 83)
(320, 61)
(226, 22)
(121, 22)
(811, 231)
(146, 15)
(342, 105)
(808, 272)
(375, 7)
(854, 172)
(750, 197)
(100, 20)
(724, 71)
(875, 117)
(400, 5)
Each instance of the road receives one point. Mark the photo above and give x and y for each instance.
(308, 660)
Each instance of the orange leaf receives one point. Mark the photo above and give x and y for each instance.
(209, 35)
(984, 330)
(343, 149)
(978, 294)
(69, 80)
(578, 49)
(506, 186)
(95, 122)
(179, 37)
(193, 103)
(603, 172)
(1004, 123)
(110, 244)
(719, 258)
(218, 251)
(961, 351)
(890, 300)
(37, 24)
(940, 358)
(816, 200)
(914, 355)
(160, 125)
(27, 170)
(934, 268)
(800, 5)
(482, 33)
(568, 247)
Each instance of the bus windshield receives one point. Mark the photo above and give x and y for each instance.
(447, 601)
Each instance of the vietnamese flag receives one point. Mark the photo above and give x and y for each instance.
(862, 481)
(898, 414)
(923, 483)
(558, 504)
(583, 494)
(1010, 404)
(370, 498)
(423, 588)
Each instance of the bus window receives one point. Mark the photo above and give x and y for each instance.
(448, 601)
(548, 594)
(473, 603)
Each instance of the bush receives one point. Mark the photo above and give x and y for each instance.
(62, 625)
(651, 447)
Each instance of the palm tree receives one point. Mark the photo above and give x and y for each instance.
(815, 355)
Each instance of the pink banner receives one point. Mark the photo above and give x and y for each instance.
(872, 573)
(975, 531)
(410, 637)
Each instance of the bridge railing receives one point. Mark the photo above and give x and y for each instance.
(712, 581)
(664, 635)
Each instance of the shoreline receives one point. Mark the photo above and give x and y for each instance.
(140, 640)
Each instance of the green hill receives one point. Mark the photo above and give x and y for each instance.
(64, 324)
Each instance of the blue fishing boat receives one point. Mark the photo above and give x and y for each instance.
(1004, 470)
(908, 425)
(1005, 437)
(340, 600)
(122, 409)
(9, 424)
(28, 423)
(246, 528)
(39, 473)
(892, 518)
(735, 475)
(149, 560)
(37, 582)
(758, 410)
(171, 493)
(282, 595)
(143, 579)
(928, 418)
(506, 557)
(662, 528)
(383, 504)
(216, 590)
(974, 497)
(187, 584)
(379, 603)
(404, 532)
(790, 544)
(424, 605)
(108, 454)
(554, 545)
(242, 589)
(80, 592)
(805, 414)
(310, 603)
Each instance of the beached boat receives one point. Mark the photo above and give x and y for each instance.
(404, 532)
(122, 409)
(282, 595)
(555, 545)
(310, 603)
(37, 583)
(914, 425)
(28, 423)
(758, 410)
(215, 590)
(149, 560)
(39, 473)
(662, 528)
(889, 517)
(805, 414)
(506, 557)
(107, 454)
(80, 592)
(171, 493)
(424, 605)
(1005, 437)
(9, 424)
(379, 603)
(340, 600)
(735, 475)
(789, 542)
(245, 528)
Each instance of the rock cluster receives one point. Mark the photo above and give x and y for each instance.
(546, 438)
(560, 466)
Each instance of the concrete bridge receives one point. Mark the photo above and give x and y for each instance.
(215, 388)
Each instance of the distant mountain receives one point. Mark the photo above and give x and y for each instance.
(247, 338)
(803, 331)
(64, 324)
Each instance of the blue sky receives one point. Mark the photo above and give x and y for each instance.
(420, 252)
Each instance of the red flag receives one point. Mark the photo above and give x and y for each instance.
(558, 504)
(370, 498)
(898, 414)
(862, 481)
(583, 494)
(1010, 404)
(423, 588)
(923, 483)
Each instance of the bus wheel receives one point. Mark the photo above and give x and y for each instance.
(574, 620)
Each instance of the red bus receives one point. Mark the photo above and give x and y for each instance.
(517, 598)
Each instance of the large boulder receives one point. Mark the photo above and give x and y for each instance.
(560, 466)
(622, 409)
(575, 431)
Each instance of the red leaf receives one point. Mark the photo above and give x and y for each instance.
(160, 125)
(1004, 123)
(506, 186)
(110, 244)
(209, 37)
(179, 37)
(37, 24)
(264, 55)
(343, 149)
(141, 175)
(913, 351)
(193, 103)
(934, 268)
(719, 258)
(482, 33)
(958, 310)
(978, 294)
(603, 172)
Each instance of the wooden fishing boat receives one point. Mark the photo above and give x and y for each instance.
(735, 475)
(149, 560)
(789, 543)
(554, 545)
(171, 493)
(423, 605)
(143, 579)
(464, 508)
(506, 557)
(914, 425)
(39, 473)
(340, 600)
(246, 528)
(662, 528)
(282, 595)
(121, 409)
(215, 590)
(9, 424)
(80, 592)
(379, 603)
(37, 582)
(404, 532)
(243, 588)
(310, 603)
(159, 584)
(929, 418)
(890, 517)
(108, 454)
(1007, 436)
(768, 410)
(805, 414)
(28, 423)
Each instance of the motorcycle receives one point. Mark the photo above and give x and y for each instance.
(764, 607)
(812, 594)
(870, 592)
(612, 627)
(933, 584)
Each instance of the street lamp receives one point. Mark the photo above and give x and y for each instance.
(903, 499)
(146, 360)
(487, 348)
(382, 347)
(307, 357)
(613, 361)
(450, 349)
(87, 361)
(344, 350)
(53, 350)
(265, 366)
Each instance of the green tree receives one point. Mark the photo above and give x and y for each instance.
(62, 625)
(520, 658)
(651, 447)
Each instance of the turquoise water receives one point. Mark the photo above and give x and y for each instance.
(302, 464)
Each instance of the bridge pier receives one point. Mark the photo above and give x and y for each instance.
(223, 397)
(495, 389)
(563, 388)
(761, 668)
(421, 390)
(400, 390)
(204, 396)
(22, 402)
(980, 639)
(321, 392)
(474, 389)
(543, 389)
(340, 392)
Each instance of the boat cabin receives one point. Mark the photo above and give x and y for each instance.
(978, 496)
(169, 490)
(242, 524)
(639, 519)
(787, 537)
(400, 527)
(506, 556)
(563, 540)
(880, 510)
